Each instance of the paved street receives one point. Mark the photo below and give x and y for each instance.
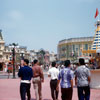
(9, 90)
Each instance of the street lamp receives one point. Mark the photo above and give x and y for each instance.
(13, 45)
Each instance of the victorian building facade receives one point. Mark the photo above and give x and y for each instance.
(6, 53)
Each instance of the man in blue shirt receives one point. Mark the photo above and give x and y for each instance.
(25, 73)
(66, 77)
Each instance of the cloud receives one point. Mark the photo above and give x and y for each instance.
(15, 15)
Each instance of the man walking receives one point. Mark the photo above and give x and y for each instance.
(38, 77)
(53, 73)
(66, 77)
(25, 73)
(82, 80)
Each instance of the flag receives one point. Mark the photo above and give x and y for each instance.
(97, 12)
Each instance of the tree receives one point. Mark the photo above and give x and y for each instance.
(41, 55)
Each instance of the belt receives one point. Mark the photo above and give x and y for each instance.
(36, 76)
(53, 79)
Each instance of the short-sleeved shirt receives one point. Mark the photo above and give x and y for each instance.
(66, 75)
(82, 73)
(54, 72)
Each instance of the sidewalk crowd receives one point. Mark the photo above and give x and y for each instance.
(65, 77)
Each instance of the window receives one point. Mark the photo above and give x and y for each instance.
(8, 49)
(0, 47)
(94, 48)
(94, 45)
(5, 49)
(73, 47)
(90, 46)
(96, 40)
(76, 49)
(86, 46)
(6, 56)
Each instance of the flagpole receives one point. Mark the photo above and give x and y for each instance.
(98, 17)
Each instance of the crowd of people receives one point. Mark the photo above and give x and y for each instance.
(65, 77)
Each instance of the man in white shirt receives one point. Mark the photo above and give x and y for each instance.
(53, 73)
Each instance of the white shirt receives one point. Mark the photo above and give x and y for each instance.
(25, 81)
(53, 72)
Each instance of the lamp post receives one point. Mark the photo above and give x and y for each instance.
(13, 45)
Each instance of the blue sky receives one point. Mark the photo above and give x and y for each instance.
(43, 23)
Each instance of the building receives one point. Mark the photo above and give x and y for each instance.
(2, 45)
(20, 53)
(6, 53)
(73, 47)
(33, 55)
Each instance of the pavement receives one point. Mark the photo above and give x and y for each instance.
(9, 90)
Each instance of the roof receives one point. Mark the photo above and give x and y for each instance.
(78, 39)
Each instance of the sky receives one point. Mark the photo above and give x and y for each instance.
(43, 23)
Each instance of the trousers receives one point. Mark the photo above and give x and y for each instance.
(37, 87)
(84, 93)
(54, 92)
(25, 89)
(66, 93)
